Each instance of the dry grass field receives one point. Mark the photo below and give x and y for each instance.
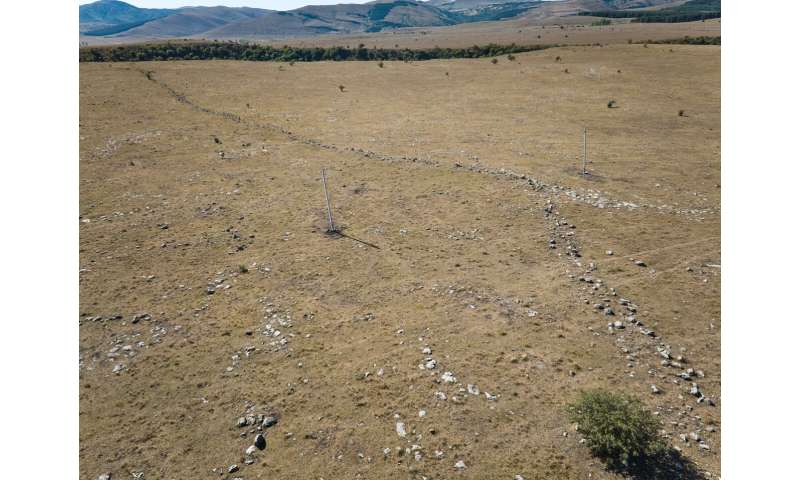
(209, 290)
(548, 31)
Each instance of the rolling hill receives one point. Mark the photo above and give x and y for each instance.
(194, 20)
(343, 18)
(105, 14)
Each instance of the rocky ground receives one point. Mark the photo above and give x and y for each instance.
(479, 284)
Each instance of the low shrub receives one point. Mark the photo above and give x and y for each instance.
(618, 428)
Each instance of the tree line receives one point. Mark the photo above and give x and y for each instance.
(265, 53)
(254, 52)
(687, 40)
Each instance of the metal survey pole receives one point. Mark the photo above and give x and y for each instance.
(331, 227)
(584, 150)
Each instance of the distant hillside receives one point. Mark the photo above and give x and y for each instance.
(193, 20)
(343, 18)
(486, 10)
(122, 20)
(107, 14)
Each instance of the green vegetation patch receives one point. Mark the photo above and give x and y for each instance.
(618, 428)
(691, 11)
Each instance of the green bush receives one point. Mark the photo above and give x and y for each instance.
(617, 428)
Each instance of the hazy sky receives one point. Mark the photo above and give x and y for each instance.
(268, 4)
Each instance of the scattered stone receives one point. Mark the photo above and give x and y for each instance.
(105, 476)
(448, 377)
(233, 468)
(639, 263)
(695, 390)
(242, 422)
(250, 450)
(269, 421)
(430, 364)
(260, 442)
(618, 325)
(460, 465)
(609, 252)
(440, 396)
(426, 351)
(473, 389)
(400, 428)
(655, 389)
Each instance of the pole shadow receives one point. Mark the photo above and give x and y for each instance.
(339, 233)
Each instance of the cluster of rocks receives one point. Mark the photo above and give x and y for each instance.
(511, 308)
(219, 282)
(473, 234)
(632, 340)
(254, 426)
(134, 319)
(276, 328)
(694, 438)
(112, 144)
(449, 378)
(126, 346)
(237, 356)
(412, 449)
(240, 241)
(99, 318)
(563, 230)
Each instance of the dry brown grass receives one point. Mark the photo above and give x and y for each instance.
(463, 258)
